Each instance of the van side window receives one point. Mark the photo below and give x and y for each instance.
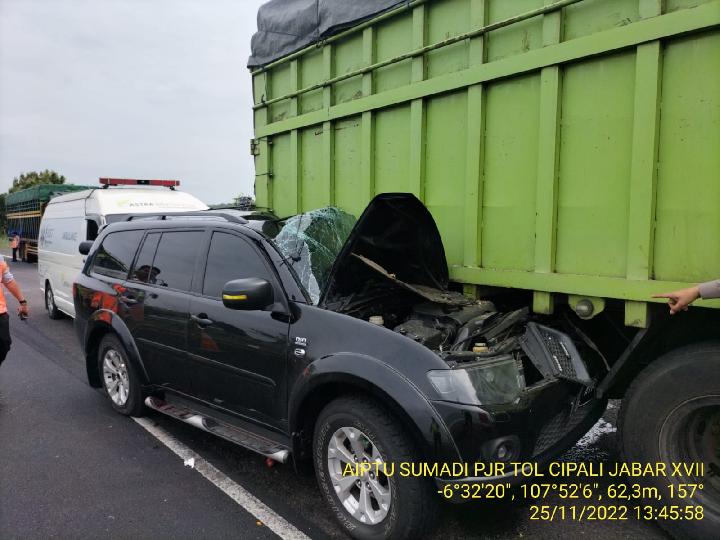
(175, 258)
(144, 270)
(231, 257)
(115, 255)
(92, 229)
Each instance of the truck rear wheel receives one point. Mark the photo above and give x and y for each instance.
(671, 414)
(354, 431)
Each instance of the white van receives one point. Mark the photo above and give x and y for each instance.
(76, 217)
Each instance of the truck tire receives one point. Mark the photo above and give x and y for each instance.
(374, 505)
(53, 311)
(119, 377)
(671, 414)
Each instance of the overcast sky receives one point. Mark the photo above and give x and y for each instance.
(130, 89)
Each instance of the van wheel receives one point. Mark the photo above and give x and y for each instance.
(119, 377)
(671, 414)
(53, 311)
(373, 504)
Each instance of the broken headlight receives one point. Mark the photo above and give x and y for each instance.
(495, 381)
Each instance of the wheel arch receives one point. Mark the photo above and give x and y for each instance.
(102, 323)
(379, 383)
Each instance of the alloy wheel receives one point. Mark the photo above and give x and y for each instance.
(115, 376)
(366, 496)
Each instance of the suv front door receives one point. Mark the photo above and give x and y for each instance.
(239, 357)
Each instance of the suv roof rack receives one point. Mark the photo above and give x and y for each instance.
(205, 214)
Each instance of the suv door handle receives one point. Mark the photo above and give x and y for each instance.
(201, 320)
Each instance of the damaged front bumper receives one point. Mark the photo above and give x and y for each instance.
(497, 415)
(538, 430)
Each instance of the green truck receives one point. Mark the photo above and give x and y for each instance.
(24, 210)
(569, 152)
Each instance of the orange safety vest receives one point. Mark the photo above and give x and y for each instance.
(4, 268)
(14, 242)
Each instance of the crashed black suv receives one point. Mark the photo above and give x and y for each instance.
(321, 337)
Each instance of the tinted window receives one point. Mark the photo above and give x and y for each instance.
(116, 254)
(231, 257)
(175, 259)
(92, 230)
(144, 270)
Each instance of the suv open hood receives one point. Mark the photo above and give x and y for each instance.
(395, 237)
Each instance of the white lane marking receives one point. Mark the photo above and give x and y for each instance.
(236, 492)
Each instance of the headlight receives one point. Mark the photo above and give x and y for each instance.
(493, 381)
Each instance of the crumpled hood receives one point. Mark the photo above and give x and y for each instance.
(397, 233)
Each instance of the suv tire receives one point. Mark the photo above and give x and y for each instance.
(399, 507)
(671, 413)
(52, 309)
(119, 377)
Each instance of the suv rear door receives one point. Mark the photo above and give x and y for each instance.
(239, 357)
(109, 269)
(157, 300)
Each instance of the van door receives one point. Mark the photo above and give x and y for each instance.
(239, 357)
(157, 299)
(61, 230)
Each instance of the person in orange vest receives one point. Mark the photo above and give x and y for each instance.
(14, 244)
(23, 311)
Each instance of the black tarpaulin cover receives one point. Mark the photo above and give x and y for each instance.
(285, 26)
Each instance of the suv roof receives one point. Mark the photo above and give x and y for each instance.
(247, 218)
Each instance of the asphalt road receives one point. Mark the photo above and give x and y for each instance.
(71, 467)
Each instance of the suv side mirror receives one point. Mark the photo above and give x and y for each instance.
(84, 247)
(248, 294)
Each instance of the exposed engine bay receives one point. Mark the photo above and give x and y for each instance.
(389, 268)
(465, 331)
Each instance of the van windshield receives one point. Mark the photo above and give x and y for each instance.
(311, 242)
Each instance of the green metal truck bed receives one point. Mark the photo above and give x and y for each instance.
(567, 147)
(24, 210)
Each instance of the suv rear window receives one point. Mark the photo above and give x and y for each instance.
(115, 255)
(174, 261)
(144, 271)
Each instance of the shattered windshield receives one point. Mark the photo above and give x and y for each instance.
(311, 242)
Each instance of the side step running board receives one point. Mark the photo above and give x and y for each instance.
(241, 437)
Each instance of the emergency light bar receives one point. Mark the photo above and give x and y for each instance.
(105, 182)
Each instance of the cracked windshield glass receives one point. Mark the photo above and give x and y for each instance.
(311, 242)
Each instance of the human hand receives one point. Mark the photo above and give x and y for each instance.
(680, 300)
(23, 311)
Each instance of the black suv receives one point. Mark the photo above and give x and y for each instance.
(324, 338)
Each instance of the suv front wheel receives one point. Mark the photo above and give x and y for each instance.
(119, 377)
(377, 503)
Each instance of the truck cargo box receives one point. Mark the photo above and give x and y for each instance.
(570, 147)
(24, 211)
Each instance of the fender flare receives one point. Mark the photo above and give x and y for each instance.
(388, 385)
(104, 321)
